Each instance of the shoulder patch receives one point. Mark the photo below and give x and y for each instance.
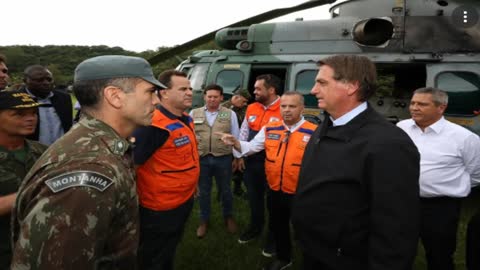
(79, 179)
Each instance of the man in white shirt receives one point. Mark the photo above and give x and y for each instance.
(449, 165)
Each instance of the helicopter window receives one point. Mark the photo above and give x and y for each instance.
(304, 83)
(463, 90)
(198, 75)
(230, 80)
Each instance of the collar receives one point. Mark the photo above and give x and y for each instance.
(107, 134)
(436, 127)
(167, 113)
(344, 119)
(294, 126)
(271, 104)
(206, 110)
(50, 95)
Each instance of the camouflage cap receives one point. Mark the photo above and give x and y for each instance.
(16, 100)
(115, 66)
(242, 92)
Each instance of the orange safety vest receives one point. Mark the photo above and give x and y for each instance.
(284, 152)
(169, 177)
(257, 116)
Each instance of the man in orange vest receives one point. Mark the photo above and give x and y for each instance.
(265, 109)
(284, 143)
(168, 168)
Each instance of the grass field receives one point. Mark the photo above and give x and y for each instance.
(220, 249)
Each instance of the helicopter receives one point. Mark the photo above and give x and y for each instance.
(422, 43)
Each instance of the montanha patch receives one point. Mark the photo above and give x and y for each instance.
(79, 179)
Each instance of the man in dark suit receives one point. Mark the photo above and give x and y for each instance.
(56, 117)
(357, 201)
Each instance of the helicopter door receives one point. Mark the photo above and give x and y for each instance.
(462, 83)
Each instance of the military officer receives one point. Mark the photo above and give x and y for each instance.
(238, 104)
(77, 208)
(18, 115)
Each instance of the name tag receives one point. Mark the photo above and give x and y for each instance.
(181, 141)
(273, 119)
(273, 136)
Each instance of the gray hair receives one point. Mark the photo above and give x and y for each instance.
(439, 97)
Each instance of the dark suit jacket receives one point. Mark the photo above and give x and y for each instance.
(62, 103)
(357, 200)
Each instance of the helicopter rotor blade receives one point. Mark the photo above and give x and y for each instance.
(269, 15)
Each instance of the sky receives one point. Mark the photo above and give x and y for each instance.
(133, 25)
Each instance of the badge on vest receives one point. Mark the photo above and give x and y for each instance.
(252, 118)
(306, 138)
(198, 121)
(181, 141)
(223, 115)
(273, 119)
(79, 179)
(273, 136)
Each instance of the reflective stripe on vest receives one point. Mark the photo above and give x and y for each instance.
(284, 151)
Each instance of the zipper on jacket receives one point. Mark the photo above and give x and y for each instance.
(287, 136)
(175, 171)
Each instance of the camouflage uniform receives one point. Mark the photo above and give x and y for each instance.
(12, 171)
(77, 208)
(240, 112)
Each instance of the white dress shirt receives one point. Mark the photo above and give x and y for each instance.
(257, 144)
(449, 158)
(344, 119)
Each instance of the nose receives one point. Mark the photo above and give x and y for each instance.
(314, 89)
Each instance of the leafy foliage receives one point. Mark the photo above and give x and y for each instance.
(62, 60)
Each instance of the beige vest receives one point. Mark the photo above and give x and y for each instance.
(208, 142)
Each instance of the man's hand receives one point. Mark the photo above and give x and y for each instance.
(226, 138)
(241, 164)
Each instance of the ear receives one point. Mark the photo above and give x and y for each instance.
(162, 94)
(113, 96)
(352, 87)
(441, 108)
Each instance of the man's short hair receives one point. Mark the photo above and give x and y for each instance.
(30, 69)
(354, 68)
(166, 77)
(271, 81)
(295, 93)
(439, 97)
(213, 87)
(89, 93)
